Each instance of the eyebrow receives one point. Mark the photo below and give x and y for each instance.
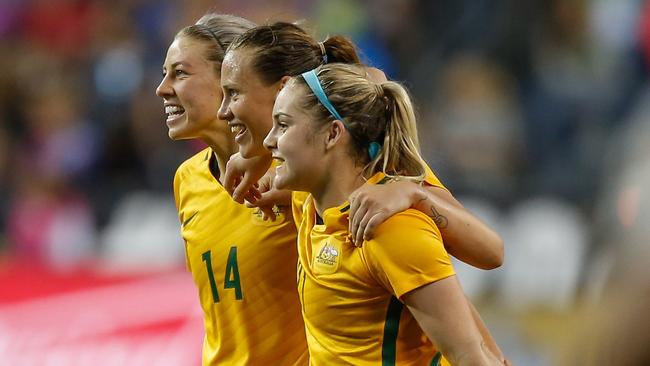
(172, 66)
(276, 115)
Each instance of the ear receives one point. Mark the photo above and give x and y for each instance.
(334, 135)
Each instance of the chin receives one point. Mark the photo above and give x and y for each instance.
(173, 135)
(280, 183)
(176, 135)
(247, 151)
(182, 134)
(285, 182)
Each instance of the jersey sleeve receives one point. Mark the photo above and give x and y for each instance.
(407, 253)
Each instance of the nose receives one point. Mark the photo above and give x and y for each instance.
(271, 140)
(164, 89)
(224, 113)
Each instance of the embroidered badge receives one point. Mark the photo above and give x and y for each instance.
(327, 257)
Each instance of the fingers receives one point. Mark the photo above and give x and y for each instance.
(243, 187)
(267, 201)
(275, 197)
(360, 227)
(265, 183)
(230, 181)
(357, 212)
(373, 223)
(232, 176)
(268, 212)
(354, 207)
(271, 198)
(252, 196)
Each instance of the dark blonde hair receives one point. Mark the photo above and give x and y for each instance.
(217, 31)
(372, 112)
(284, 49)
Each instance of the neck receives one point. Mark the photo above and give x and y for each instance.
(338, 186)
(223, 145)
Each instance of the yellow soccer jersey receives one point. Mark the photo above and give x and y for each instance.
(350, 296)
(245, 270)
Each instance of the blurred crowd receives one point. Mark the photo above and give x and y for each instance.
(533, 112)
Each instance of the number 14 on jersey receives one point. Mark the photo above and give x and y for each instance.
(231, 277)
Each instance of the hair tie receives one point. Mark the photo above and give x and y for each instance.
(373, 150)
(323, 51)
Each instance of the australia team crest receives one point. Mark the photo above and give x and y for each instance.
(327, 257)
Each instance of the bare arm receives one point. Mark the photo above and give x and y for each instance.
(490, 343)
(464, 235)
(442, 312)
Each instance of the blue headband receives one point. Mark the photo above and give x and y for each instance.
(314, 84)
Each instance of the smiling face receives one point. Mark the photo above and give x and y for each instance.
(191, 90)
(294, 143)
(248, 102)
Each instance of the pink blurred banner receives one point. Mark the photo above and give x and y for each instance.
(87, 318)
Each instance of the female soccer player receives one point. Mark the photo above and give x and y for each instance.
(334, 131)
(254, 69)
(243, 266)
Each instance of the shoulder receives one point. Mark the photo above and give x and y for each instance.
(407, 253)
(195, 163)
(298, 200)
(431, 179)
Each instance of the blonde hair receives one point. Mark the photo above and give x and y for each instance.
(372, 112)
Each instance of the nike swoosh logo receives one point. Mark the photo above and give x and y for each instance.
(189, 219)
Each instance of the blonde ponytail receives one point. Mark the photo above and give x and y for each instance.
(401, 148)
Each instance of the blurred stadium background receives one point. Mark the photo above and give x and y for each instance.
(535, 113)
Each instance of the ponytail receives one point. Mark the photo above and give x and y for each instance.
(340, 49)
(401, 149)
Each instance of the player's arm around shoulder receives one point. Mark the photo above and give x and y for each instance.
(466, 237)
